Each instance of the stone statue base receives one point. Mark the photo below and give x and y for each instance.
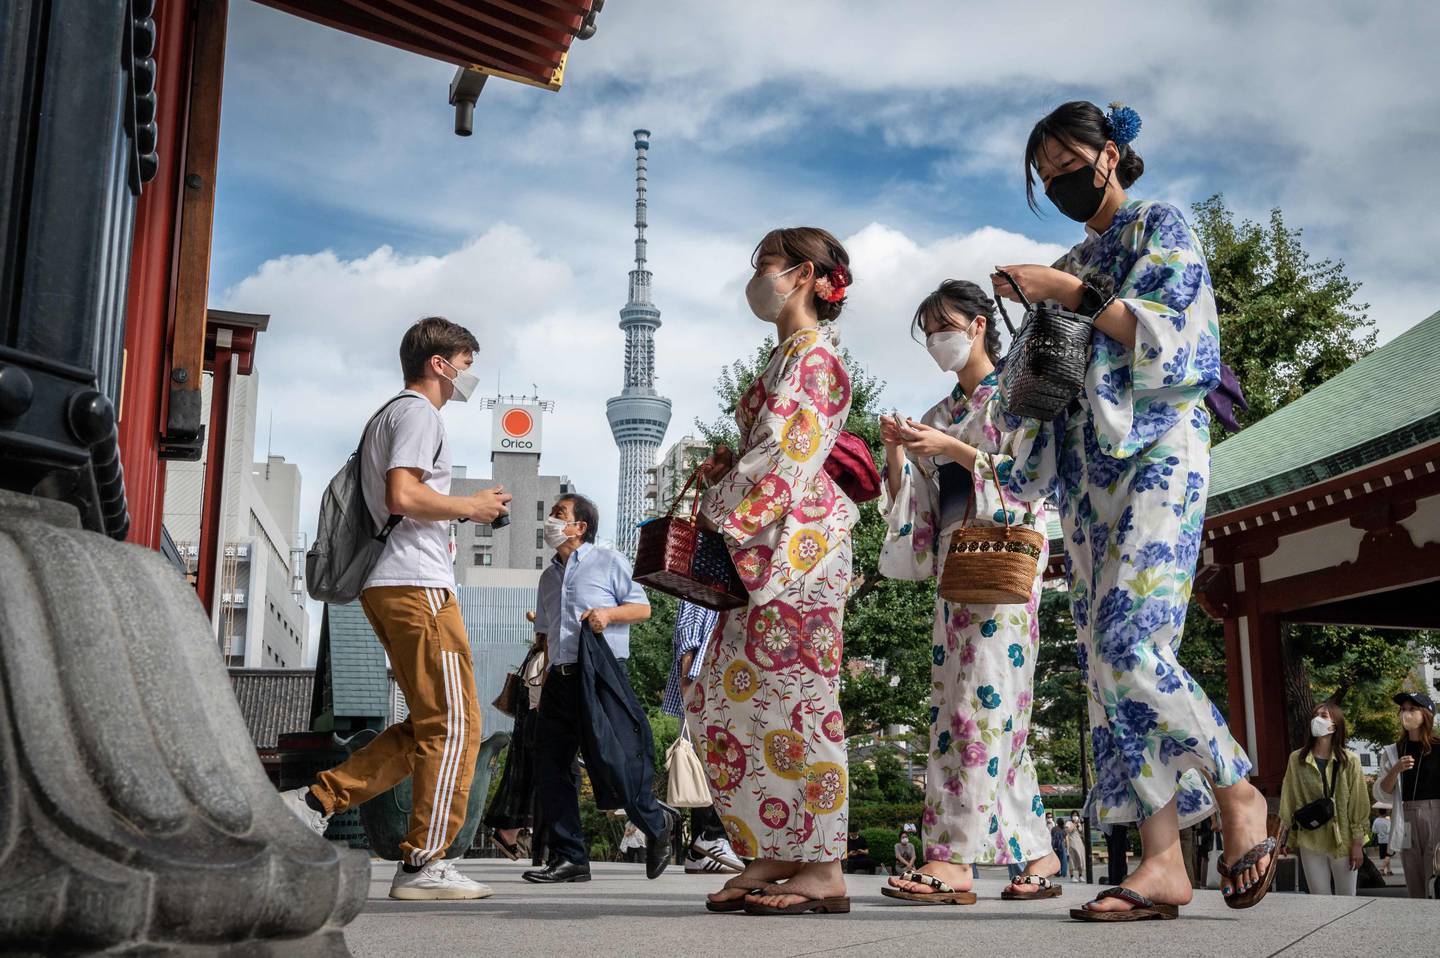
(134, 814)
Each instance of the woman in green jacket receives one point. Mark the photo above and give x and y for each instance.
(1330, 854)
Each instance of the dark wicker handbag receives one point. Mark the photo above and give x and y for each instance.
(505, 703)
(991, 565)
(1045, 367)
(679, 558)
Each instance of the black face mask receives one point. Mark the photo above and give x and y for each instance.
(1076, 195)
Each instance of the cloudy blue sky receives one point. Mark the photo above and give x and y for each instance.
(347, 207)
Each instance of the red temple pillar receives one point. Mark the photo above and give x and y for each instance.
(148, 309)
(170, 260)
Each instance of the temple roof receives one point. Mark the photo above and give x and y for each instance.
(1380, 406)
(273, 701)
(1384, 404)
(518, 41)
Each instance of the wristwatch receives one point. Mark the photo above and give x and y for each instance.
(1095, 295)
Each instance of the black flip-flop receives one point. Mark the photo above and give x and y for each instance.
(1277, 831)
(810, 906)
(731, 904)
(1141, 908)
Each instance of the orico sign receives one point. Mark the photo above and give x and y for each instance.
(517, 429)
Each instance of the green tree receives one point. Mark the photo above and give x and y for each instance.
(1362, 669)
(865, 784)
(651, 650)
(1057, 756)
(1058, 716)
(891, 778)
(887, 622)
(1202, 653)
(1287, 322)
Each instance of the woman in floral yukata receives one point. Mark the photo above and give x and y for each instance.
(765, 713)
(1128, 464)
(982, 801)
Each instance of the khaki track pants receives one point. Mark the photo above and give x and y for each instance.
(422, 632)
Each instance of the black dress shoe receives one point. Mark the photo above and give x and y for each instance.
(557, 873)
(657, 849)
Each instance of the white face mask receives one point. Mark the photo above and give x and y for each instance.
(464, 383)
(554, 532)
(951, 348)
(1321, 726)
(765, 300)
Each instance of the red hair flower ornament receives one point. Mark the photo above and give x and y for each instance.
(831, 287)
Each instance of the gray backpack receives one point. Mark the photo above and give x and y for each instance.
(347, 544)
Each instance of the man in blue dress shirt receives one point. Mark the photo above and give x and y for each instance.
(588, 583)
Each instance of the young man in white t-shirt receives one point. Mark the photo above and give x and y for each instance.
(410, 601)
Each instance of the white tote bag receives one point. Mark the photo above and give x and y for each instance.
(687, 786)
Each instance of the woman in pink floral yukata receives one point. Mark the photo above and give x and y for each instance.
(765, 713)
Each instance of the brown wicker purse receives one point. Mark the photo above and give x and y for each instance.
(677, 557)
(991, 565)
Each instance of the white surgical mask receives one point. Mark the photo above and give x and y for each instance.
(951, 348)
(464, 382)
(1410, 719)
(554, 532)
(765, 300)
(1321, 726)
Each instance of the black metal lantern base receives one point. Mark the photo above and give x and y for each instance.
(134, 812)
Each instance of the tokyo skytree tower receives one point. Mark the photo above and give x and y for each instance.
(639, 415)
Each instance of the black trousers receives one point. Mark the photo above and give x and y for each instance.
(1117, 844)
(705, 824)
(513, 804)
(557, 742)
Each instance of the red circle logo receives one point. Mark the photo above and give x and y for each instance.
(517, 423)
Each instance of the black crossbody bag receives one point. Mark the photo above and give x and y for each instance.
(1317, 814)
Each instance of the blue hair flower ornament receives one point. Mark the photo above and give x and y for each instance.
(1124, 123)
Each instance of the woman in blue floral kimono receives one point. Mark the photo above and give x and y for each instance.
(1128, 464)
(982, 799)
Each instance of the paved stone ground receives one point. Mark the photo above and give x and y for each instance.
(619, 913)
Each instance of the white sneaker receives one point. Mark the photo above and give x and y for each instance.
(437, 880)
(712, 856)
(294, 800)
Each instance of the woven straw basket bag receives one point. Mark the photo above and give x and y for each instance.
(991, 565)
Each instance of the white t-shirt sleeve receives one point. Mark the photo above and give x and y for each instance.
(414, 437)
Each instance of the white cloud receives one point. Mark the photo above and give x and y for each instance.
(1322, 108)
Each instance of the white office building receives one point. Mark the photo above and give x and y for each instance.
(514, 555)
(260, 619)
(668, 476)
